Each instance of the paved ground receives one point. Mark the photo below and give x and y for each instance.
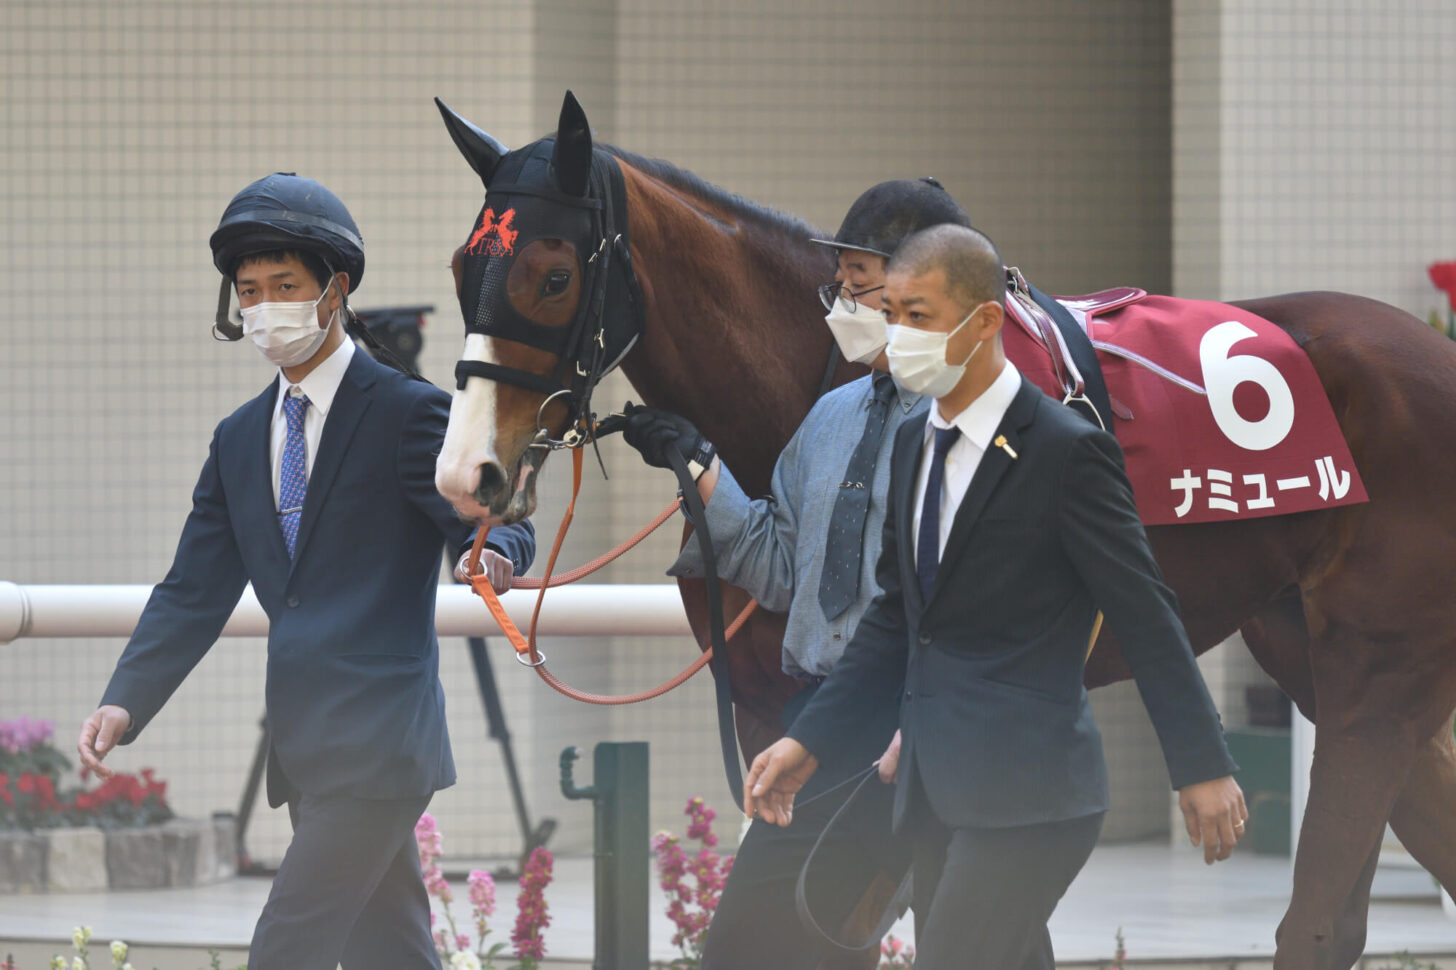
(1173, 911)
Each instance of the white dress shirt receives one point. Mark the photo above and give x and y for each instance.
(978, 424)
(320, 386)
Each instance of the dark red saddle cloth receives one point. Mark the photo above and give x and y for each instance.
(1219, 412)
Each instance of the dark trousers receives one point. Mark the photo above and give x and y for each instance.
(756, 925)
(349, 890)
(983, 895)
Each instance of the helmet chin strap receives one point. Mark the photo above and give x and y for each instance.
(223, 327)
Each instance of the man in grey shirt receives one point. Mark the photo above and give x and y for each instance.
(810, 548)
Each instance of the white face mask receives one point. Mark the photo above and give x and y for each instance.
(860, 335)
(287, 334)
(917, 359)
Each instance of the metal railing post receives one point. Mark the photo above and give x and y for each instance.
(619, 795)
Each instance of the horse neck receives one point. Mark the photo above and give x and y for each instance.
(734, 338)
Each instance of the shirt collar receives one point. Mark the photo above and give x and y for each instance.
(322, 383)
(979, 421)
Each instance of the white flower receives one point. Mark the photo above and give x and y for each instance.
(127, 966)
(58, 962)
(118, 952)
(78, 964)
(464, 960)
(80, 936)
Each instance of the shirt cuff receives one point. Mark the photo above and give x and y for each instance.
(726, 512)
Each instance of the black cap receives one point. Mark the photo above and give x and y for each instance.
(887, 213)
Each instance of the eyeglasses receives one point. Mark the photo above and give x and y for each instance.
(830, 292)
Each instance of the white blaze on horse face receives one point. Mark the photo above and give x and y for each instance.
(470, 435)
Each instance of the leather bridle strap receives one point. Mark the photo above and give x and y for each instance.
(466, 369)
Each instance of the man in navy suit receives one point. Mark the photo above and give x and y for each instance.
(1010, 523)
(321, 493)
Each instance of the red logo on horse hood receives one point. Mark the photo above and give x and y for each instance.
(493, 237)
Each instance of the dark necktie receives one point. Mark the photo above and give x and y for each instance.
(293, 471)
(844, 546)
(927, 544)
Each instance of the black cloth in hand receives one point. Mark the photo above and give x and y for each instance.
(656, 433)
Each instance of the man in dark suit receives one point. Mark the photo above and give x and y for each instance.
(1011, 522)
(320, 491)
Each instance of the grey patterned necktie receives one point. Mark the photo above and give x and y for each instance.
(844, 546)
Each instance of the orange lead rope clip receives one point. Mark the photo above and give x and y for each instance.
(526, 652)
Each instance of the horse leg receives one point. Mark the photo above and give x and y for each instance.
(1380, 700)
(1425, 809)
(1338, 843)
(1278, 639)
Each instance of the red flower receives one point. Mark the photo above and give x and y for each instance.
(26, 784)
(5, 795)
(1443, 276)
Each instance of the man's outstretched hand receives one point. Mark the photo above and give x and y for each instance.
(99, 734)
(775, 776)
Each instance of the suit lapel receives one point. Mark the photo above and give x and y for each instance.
(905, 478)
(258, 504)
(994, 464)
(350, 403)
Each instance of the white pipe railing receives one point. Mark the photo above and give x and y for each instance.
(580, 610)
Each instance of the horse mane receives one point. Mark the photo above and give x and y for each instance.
(685, 181)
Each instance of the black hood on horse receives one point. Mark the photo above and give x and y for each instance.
(556, 188)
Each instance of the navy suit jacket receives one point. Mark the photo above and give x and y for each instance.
(995, 723)
(354, 701)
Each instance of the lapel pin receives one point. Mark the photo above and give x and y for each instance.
(1000, 442)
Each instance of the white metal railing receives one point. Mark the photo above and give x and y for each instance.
(579, 610)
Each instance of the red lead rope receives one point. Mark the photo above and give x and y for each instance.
(526, 645)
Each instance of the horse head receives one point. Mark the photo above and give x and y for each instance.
(550, 305)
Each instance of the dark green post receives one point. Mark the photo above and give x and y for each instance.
(619, 796)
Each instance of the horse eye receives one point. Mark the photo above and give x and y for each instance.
(556, 283)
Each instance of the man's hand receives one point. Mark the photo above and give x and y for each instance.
(99, 734)
(890, 761)
(656, 433)
(1215, 815)
(492, 564)
(775, 776)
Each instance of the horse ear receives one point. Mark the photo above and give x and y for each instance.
(572, 156)
(481, 150)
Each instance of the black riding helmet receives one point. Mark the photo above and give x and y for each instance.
(284, 211)
(885, 214)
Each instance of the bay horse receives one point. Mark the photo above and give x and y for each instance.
(1349, 609)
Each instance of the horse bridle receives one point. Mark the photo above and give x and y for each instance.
(599, 335)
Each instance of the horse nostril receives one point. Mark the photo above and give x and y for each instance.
(492, 481)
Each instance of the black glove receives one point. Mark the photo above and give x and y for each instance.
(656, 433)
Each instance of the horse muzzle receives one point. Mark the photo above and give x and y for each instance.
(501, 498)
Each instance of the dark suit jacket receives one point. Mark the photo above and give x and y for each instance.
(994, 718)
(353, 693)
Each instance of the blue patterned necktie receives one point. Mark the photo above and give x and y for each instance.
(927, 544)
(293, 472)
(844, 546)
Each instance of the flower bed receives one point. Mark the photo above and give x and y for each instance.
(119, 835)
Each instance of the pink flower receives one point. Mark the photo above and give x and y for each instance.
(693, 883)
(482, 893)
(531, 909)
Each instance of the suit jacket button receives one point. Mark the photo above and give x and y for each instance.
(293, 601)
(907, 695)
(925, 639)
